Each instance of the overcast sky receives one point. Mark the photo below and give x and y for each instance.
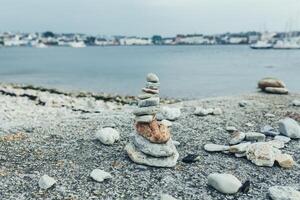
(148, 17)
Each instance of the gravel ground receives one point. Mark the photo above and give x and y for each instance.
(56, 137)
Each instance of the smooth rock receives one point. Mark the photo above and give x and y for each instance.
(270, 82)
(262, 154)
(46, 182)
(151, 77)
(153, 86)
(239, 148)
(283, 193)
(154, 149)
(289, 127)
(296, 103)
(269, 131)
(166, 122)
(166, 197)
(153, 131)
(191, 158)
(276, 144)
(243, 103)
(217, 111)
(202, 111)
(150, 91)
(282, 138)
(100, 175)
(285, 160)
(215, 147)
(255, 136)
(108, 135)
(153, 101)
(270, 115)
(176, 143)
(275, 90)
(231, 128)
(144, 118)
(170, 113)
(224, 183)
(146, 96)
(237, 137)
(146, 110)
(141, 158)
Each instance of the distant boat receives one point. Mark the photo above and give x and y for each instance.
(286, 44)
(261, 45)
(78, 44)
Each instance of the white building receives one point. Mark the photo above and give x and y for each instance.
(135, 41)
(237, 40)
(193, 39)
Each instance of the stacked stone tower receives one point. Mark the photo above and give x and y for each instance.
(151, 143)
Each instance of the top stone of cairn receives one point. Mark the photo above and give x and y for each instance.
(152, 78)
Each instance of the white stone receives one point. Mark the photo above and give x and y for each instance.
(166, 122)
(239, 148)
(151, 85)
(243, 103)
(296, 103)
(144, 118)
(215, 147)
(108, 135)
(270, 115)
(285, 160)
(275, 90)
(46, 182)
(254, 136)
(224, 183)
(154, 149)
(166, 197)
(283, 193)
(289, 127)
(170, 113)
(202, 111)
(231, 129)
(141, 158)
(237, 137)
(100, 175)
(151, 77)
(176, 143)
(217, 111)
(282, 138)
(276, 144)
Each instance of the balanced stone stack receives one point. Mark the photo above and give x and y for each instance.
(151, 144)
(272, 85)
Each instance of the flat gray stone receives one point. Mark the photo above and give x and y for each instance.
(151, 85)
(150, 91)
(146, 110)
(275, 90)
(146, 96)
(154, 149)
(144, 159)
(153, 101)
(144, 118)
(46, 182)
(237, 138)
(151, 77)
(202, 111)
(282, 138)
(296, 103)
(283, 193)
(255, 136)
(269, 131)
(231, 128)
(239, 148)
(224, 183)
(215, 147)
(276, 143)
(289, 128)
(100, 175)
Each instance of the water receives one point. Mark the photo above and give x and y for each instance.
(185, 71)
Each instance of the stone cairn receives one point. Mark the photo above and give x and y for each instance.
(151, 144)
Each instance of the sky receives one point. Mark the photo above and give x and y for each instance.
(149, 17)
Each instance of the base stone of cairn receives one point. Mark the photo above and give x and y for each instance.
(151, 144)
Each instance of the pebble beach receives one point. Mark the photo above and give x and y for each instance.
(50, 132)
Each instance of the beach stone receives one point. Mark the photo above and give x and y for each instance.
(243, 103)
(154, 149)
(141, 158)
(269, 131)
(46, 182)
(270, 82)
(289, 127)
(202, 111)
(153, 101)
(146, 96)
(239, 148)
(153, 86)
(275, 90)
(153, 131)
(150, 91)
(170, 113)
(191, 158)
(151, 77)
(146, 110)
(176, 143)
(166, 122)
(283, 193)
(262, 154)
(215, 147)
(237, 137)
(224, 183)
(255, 136)
(144, 118)
(270, 115)
(296, 103)
(100, 175)
(108, 135)
(276, 143)
(285, 160)
(231, 128)
(282, 138)
(166, 197)
(217, 111)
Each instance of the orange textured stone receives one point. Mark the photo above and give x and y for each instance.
(153, 131)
